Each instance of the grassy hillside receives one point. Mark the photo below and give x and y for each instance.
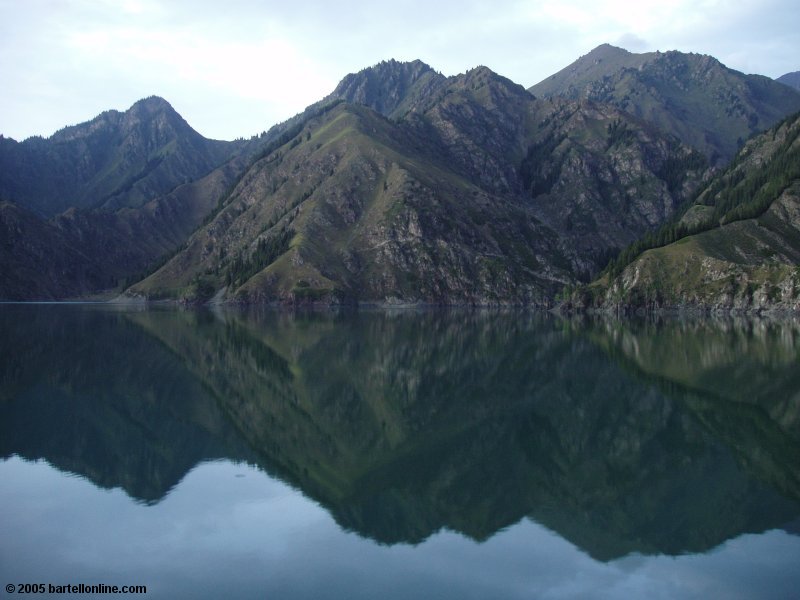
(737, 247)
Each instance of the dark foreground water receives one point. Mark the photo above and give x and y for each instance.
(398, 454)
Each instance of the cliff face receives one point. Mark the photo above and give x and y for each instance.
(401, 186)
(475, 192)
(745, 253)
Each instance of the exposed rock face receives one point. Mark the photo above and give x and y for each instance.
(401, 186)
(475, 193)
(748, 264)
(694, 97)
(745, 266)
(389, 87)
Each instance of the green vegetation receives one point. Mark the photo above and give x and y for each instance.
(294, 129)
(674, 172)
(619, 134)
(738, 194)
(401, 186)
(267, 250)
(541, 168)
(747, 194)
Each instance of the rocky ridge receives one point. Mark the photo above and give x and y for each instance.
(474, 192)
(745, 253)
(401, 186)
(708, 106)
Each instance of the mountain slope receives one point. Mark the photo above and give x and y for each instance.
(458, 199)
(694, 97)
(96, 205)
(361, 218)
(84, 252)
(791, 79)
(746, 249)
(115, 160)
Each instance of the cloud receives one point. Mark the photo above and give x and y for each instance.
(632, 43)
(237, 67)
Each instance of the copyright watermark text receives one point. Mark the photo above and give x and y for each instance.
(80, 588)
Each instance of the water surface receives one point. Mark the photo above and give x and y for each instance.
(398, 454)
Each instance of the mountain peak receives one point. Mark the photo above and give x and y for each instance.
(152, 104)
(153, 107)
(385, 85)
(604, 50)
(385, 72)
(482, 75)
(692, 96)
(790, 79)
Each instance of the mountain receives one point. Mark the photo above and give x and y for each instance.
(391, 88)
(738, 245)
(82, 252)
(401, 186)
(96, 205)
(39, 261)
(791, 79)
(706, 105)
(115, 160)
(472, 192)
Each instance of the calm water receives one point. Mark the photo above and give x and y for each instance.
(398, 454)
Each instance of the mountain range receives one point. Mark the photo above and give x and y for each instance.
(401, 186)
(708, 106)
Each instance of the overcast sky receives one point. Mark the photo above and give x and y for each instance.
(235, 67)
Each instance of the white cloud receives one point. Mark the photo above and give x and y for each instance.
(235, 68)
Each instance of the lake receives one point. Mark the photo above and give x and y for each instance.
(398, 454)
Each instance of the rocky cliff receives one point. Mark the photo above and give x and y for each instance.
(474, 192)
(741, 244)
(708, 106)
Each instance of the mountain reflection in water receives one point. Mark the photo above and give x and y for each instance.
(659, 437)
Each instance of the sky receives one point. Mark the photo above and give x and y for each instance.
(234, 68)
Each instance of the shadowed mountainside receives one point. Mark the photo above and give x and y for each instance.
(791, 79)
(401, 186)
(118, 159)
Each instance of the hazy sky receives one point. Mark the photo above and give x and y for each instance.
(235, 67)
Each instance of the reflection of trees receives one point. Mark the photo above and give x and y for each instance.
(404, 423)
